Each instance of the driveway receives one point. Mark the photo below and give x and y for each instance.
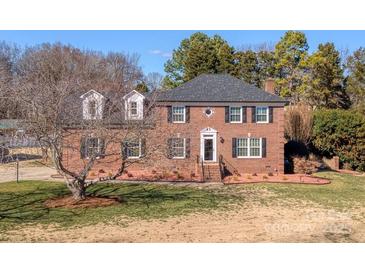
(28, 170)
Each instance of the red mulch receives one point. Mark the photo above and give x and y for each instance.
(70, 202)
(284, 179)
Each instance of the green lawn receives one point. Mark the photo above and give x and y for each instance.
(23, 203)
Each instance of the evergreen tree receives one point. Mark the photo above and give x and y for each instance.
(247, 67)
(290, 52)
(323, 82)
(196, 55)
(355, 84)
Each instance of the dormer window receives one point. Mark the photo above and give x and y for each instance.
(92, 105)
(133, 108)
(92, 109)
(134, 102)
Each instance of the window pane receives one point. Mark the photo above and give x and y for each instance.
(235, 114)
(178, 114)
(261, 114)
(178, 148)
(92, 147)
(242, 149)
(133, 149)
(92, 108)
(255, 147)
(133, 107)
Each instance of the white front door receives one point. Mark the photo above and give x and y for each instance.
(208, 146)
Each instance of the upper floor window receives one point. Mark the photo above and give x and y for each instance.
(133, 105)
(235, 114)
(262, 114)
(92, 109)
(133, 108)
(178, 114)
(92, 105)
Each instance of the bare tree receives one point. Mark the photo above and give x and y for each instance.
(154, 81)
(8, 56)
(52, 80)
(299, 123)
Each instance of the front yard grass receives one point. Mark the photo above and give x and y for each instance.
(23, 203)
(344, 192)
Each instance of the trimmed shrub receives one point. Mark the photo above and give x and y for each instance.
(342, 133)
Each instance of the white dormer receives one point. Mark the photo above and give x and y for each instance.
(133, 105)
(92, 105)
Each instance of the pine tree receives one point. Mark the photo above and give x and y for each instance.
(290, 52)
(323, 82)
(355, 84)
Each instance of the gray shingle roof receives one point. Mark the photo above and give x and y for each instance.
(217, 88)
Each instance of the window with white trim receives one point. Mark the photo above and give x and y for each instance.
(133, 108)
(178, 148)
(262, 114)
(255, 147)
(133, 149)
(248, 148)
(178, 114)
(93, 147)
(235, 114)
(92, 109)
(242, 147)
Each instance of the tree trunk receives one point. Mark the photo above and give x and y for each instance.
(78, 189)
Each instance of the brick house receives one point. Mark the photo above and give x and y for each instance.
(218, 124)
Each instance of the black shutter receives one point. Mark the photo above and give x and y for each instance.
(143, 147)
(187, 148)
(83, 148)
(263, 147)
(169, 148)
(234, 148)
(123, 149)
(244, 114)
(102, 148)
(253, 114)
(226, 115)
(169, 114)
(187, 114)
(271, 114)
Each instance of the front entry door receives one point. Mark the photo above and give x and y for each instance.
(208, 149)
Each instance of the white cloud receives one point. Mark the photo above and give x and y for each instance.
(161, 53)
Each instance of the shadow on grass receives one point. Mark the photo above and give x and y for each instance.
(25, 203)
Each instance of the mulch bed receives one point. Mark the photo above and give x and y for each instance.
(284, 179)
(89, 202)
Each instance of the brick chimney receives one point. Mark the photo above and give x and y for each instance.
(270, 85)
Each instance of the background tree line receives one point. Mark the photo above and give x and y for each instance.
(322, 78)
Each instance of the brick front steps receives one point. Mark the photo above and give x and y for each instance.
(284, 178)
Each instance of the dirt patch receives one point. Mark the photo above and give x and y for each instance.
(70, 202)
(254, 223)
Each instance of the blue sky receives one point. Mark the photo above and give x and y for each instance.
(155, 47)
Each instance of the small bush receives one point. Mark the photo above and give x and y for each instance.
(130, 175)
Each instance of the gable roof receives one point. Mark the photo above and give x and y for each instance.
(217, 88)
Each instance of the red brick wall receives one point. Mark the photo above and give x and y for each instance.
(273, 132)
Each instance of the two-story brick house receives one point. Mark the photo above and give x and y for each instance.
(214, 121)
